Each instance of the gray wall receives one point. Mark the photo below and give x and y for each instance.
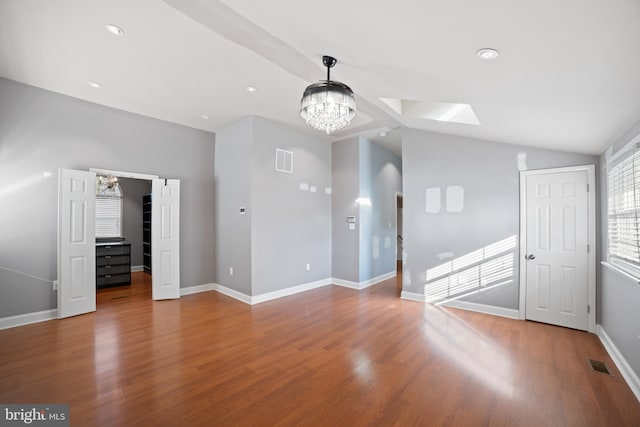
(289, 227)
(284, 228)
(41, 131)
(346, 189)
(618, 296)
(362, 168)
(380, 180)
(489, 174)
(233, 191)
(133, 190)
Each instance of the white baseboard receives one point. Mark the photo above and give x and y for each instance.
(345, 283)
(377, 279)
(199, 288)
(137, 268)
(621, 363)
(232, 293)
(511, 313)
(464, 305)
(364, 284)
(412, 296)
(257, 299)
(28, 318)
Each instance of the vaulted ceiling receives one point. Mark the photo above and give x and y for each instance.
(567, 76)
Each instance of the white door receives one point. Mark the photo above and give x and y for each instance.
(556, 256)
(165, 238)
(76, 242)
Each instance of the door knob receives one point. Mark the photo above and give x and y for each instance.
(530, 256)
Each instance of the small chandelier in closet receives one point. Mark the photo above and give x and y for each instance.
(108, 186)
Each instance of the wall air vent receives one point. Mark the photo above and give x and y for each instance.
(284, 161)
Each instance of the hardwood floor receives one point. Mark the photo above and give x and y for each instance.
(331, 356)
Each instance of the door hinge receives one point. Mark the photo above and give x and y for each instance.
(588, 248)
(588, 309)
(587, 188)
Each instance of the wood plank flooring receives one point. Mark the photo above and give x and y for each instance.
(328, 357)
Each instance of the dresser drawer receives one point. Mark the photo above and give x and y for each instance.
(113, 250)
(113, 279)
(113, 269)
(112, 260)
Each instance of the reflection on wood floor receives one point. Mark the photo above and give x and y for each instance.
(331, 356)
(140, 287)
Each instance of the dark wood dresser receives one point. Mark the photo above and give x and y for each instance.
(113, 264)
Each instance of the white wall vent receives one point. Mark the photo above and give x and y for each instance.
(284, 160)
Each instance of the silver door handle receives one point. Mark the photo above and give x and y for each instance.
(530, 256)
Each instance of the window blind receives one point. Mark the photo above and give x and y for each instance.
(624, 211)
(108, 217)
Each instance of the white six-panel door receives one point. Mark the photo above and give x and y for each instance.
(76, 242)
(556, 253)
(165, 238)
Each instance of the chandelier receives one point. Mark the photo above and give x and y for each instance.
(108, 186)
(328, 105)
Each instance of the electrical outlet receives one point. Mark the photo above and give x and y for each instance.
(55, 285)
(230, 271)
(308, 267)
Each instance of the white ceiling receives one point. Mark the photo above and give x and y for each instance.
(567, 77)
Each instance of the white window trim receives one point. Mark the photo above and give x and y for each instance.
(620, 266)
(620, 272)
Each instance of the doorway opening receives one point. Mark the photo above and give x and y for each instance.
(133, 241)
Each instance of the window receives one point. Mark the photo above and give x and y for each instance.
(108, 208)
(623, 173)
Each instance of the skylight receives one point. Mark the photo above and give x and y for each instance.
(440, 111)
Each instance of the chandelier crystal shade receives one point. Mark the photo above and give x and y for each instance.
(328, 105)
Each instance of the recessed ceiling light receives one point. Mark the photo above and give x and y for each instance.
(382, 134)
(205, 117)
(251, 88)
(114, 29)
(95, 85)
(487, 53)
